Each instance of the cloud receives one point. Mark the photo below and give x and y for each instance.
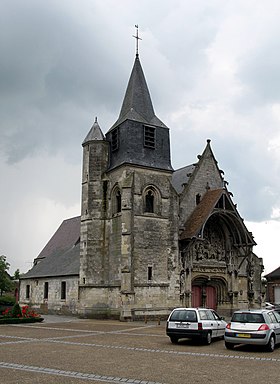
(212, 70)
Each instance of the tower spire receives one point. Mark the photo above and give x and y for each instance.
(137, 40)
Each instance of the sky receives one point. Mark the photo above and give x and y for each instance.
(213, 71)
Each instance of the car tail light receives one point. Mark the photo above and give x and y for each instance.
(263, 327)
(228, 326)
(199, 326)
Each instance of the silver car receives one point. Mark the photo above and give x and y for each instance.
(258, 327)
(195, 323)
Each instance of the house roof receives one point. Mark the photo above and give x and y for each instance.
(61, 255)
(274, 274)
(137, 103)
(201, 213)
(181, 176)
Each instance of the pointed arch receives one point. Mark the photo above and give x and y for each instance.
(151, 200)
(116, 200)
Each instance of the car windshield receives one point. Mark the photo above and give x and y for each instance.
(183, 315)
(247, 317)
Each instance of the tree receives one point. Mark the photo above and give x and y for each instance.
(16, 274)
(5, 280)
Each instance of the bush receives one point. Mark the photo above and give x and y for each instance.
(16, 311)
(7, 300)
(11, 320)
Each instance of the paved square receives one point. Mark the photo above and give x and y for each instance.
(67, 350)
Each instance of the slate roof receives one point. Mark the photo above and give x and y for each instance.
(61, 255)
(181, 176)
(95, 133)
(201, 213)
(137, 104)
(274, 274)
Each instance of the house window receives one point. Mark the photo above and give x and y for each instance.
(115, 139)
(27, 291)
(150, 273)
(63, 290)
(149, 137)
(149, 201)
(46, 290)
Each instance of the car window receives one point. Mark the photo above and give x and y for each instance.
(247, 317)
(276, 314)
(183, 315)
(210, 315)
(216, 316)
(203, 315)
(272, 317)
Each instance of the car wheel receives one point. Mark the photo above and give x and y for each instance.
(208, 338)
(271, 344)
(174, 340)
(229, 345)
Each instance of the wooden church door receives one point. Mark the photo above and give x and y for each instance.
(211, 301)
(196, 296)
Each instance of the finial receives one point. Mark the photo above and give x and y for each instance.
(95, 119)
(137, 39)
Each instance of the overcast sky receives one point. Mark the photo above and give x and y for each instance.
(213, 71)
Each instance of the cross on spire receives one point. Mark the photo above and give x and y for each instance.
(137, 40)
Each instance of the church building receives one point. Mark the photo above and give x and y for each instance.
(149, 238)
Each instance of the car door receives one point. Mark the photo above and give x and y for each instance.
(220, 324)
(212, 323)
(277, 326)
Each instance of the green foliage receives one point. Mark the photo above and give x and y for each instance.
(7, 320)
(16, 311)
(6, 284)
(7, 300)
(16, 274)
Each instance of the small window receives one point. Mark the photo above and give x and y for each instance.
(115, 139)
(27, 291)
(119, 201)
(149, 201)
(63, 290)
(150, 273)
(197, 199)
(46, 290)
(149, 137)
(116, 200)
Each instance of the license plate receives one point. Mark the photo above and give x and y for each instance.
(182, 325)
(246, 335)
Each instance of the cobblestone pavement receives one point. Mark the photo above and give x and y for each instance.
(71, 350)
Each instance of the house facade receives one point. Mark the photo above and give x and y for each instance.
(149, 238)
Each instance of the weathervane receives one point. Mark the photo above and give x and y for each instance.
(137, 39)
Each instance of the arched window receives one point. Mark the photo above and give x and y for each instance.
(151, 200)
(116, 199)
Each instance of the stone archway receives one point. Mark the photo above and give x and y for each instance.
(208, 292)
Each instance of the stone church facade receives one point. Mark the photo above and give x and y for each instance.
(150, 238)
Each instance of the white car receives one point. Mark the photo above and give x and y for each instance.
(257, 327)
(195, 323)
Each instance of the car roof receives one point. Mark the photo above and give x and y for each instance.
(191, 308)
(260, 310)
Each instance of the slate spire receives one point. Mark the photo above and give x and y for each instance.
(95, 133)
(137, 104)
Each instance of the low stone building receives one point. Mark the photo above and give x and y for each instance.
(151, 237)
(273, 286)
(52, 285)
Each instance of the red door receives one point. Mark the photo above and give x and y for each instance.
(196, 296)
(211, 301)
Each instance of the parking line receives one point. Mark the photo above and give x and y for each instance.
(76, 375)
